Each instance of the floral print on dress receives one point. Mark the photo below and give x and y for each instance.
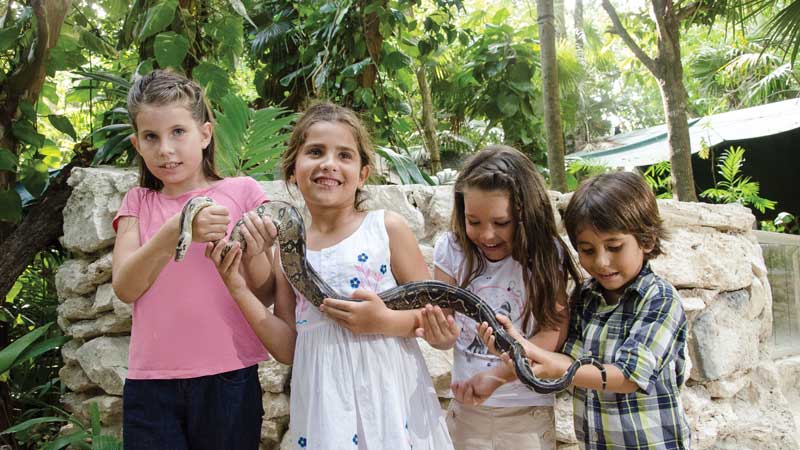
(369, 277)
(302, 442)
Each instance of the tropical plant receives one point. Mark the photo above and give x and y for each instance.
(581, 169)
(659, 177)
(91, 437)
(784, 222)
(734, 185)
(250, 141)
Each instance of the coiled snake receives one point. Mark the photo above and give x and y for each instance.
(303, 277)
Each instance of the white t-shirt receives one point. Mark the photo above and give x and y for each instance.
(501, 286)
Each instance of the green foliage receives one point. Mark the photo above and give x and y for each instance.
(784, 222)
(579, 170)
(250, 142)
(734, 186)
(659, 178)
(82, 437)
(404, 166)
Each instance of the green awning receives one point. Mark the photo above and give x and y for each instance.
(649, 145)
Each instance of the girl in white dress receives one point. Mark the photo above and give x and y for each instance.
(359, 380)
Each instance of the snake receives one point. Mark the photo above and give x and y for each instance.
(302, 276)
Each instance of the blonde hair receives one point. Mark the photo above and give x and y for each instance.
(164, 88)
(328, 112)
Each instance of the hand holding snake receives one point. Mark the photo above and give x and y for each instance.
(302, 276)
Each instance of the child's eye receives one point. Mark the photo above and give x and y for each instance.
(179, 132)
(150, 137)
(346, 155)
(585, 251)
(503, 224)
(615, 248)
(473, 222)
(313, 151)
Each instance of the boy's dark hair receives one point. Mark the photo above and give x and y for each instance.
(620, 202)
(325, 111)
(537, 247)
(164, 88)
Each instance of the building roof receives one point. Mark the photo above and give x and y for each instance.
(649, 145)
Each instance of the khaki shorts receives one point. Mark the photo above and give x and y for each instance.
(493, 428)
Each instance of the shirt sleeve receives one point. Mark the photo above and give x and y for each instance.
(653, 337)
(447, 255)
(573, 345)
(254, 193)
(129, 207)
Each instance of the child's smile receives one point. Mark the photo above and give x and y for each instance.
(613, 259)
(328, 167)
(490, 225)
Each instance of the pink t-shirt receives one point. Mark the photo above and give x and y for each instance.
(187, 324)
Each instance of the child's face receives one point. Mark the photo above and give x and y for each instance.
(171, 144)
(328, 166)
(490, 223)
(613, 259)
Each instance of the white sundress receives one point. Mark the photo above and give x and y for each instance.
(354, 391)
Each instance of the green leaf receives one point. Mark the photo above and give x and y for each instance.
(170, 49)
(62, 124)
(500, 16)
(90, 41)
(25, 132)
(214, 79)
(354, 69)
(12, 294)
(10, 206)
(10, 354)
(42, 347)
(29, 423)
(158, 18)
(396, 60)
(8, 160)
(8, 37)
(507, 104)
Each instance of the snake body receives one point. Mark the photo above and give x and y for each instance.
(306, 280)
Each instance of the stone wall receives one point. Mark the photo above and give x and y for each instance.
(734, 396)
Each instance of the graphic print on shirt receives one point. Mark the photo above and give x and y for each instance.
(504, 300)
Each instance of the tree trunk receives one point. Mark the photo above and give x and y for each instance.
(428, 121)
(374, 41)
(582, 134)
(560, 19)
(675, 100)
(667, 68)
(552, 108)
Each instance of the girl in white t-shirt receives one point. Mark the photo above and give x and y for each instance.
(504, 247)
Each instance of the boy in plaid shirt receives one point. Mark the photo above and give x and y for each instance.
(626, 317)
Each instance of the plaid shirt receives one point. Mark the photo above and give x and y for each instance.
(644, 336)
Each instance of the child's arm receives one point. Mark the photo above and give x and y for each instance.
(371, 315)
(438, 325)
(274, 332)
(137, 266)
(259, 235)
(550, 365)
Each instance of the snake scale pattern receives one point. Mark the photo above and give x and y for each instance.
(303, 277)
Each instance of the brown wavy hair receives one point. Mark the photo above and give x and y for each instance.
(166, 88)
(546, 262)
(328, 112)
(620, 202)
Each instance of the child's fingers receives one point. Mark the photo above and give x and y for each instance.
(433, 322)
(230, 258)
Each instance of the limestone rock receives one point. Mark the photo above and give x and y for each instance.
(75, 378)
(108, 323)
(275, 405)
(565, 424)
(273, 376)
(77, 277)
(440, 363)
(96, 196)
(69, 349)
(722, 341)
(727, 217)
(105, 361)
(76, 308)
(693, 259)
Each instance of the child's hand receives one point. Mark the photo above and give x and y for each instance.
(365, 317)
(477, 389)
(210, 224)
(486, 333)
(228, 267)
(440, 331)
(259, 234)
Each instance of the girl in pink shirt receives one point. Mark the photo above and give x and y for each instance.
(192, 379)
